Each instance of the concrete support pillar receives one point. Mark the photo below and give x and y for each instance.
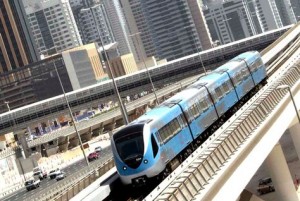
(295, 134)
(24, 144)
(280, 174)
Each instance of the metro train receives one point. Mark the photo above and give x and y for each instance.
(150, 146)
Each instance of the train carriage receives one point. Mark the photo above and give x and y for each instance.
(256, 65)
(149, 145)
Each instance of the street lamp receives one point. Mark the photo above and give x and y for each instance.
(153, 88)
(197, 50)
(122, 107)
(71, 115)
(283, 87)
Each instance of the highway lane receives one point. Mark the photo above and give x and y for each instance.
(22, 194)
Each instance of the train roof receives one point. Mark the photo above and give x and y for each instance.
(152, 115)
(208, 79)
(232, 64)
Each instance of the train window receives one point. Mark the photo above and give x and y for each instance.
(182, 117)
(154, 146)
(252, 66)
(166, 132)
(129, 142)
(219, 92)
(181, 122)
(176, 126)
(215, 96)
(225, 86)
(203, 104)
(159, 138)
(259, 63)
(169, 130)
(237, 78)
(209, 101)
(189, 115)
(198, 108)
(245, 72)
(195, 111)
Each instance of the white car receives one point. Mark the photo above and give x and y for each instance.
(98, 149)
(32, 184)
(60, 176)
(53, 173)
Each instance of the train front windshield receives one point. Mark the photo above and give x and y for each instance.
(130, 146)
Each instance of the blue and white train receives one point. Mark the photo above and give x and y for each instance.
(151, 144)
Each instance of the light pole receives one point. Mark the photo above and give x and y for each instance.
(122, 107)
(71, 115)
(200, 58)
(283, 87)
(140, 49)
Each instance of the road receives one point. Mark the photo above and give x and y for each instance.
(23, 194)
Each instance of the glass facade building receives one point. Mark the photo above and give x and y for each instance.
(17, 47)
(34, 82)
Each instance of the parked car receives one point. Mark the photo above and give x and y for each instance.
(263, 189)
(60, 176)
(53, 173)
(265, 186)
(265, 181)
(98, 149)
(93, 156)
(32, 184)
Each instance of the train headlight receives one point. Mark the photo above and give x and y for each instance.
(145, 161)
(124, 168)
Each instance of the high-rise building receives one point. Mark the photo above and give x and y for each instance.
(53, 25)
(233, 20)
(167, 29)
(137, 26)
(295, 5)
(17, 47)
(94, 21)
(119, 27)
(103, 21)
(200, 24)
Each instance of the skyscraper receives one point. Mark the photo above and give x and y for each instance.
(53, 25)
(93, 24)
(200, 24)
(17, 47)
(119, 26)
(233, 20)
(167, 29)
(143, 43)
(295, 5)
